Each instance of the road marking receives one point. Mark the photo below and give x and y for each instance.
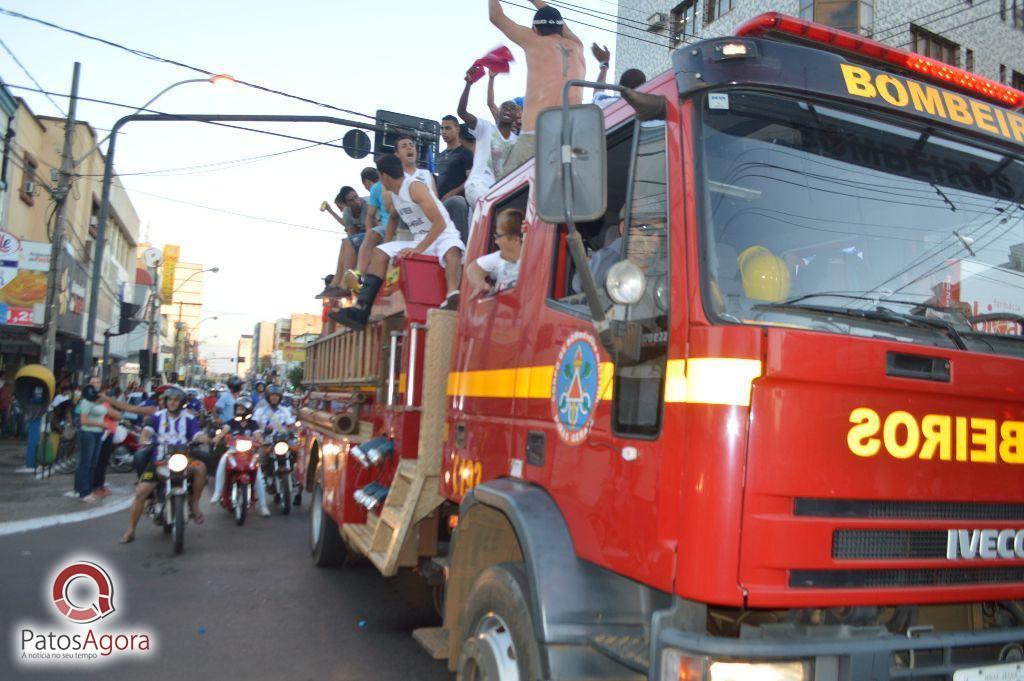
(15, 526)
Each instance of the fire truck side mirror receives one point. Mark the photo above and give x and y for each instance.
(583, 155)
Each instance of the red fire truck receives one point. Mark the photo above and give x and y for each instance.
(781, 438)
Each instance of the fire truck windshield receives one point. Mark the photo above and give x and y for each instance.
(850, 222)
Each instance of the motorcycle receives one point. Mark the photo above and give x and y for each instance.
(243, 463)
(126, 443)
(169, 505)
(278, 476)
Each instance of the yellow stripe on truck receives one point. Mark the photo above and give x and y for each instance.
(519, 382)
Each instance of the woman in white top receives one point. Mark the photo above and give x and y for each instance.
(501, 266)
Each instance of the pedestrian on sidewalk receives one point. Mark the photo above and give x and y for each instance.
(99, 478)
(6, 404)
(91, 411)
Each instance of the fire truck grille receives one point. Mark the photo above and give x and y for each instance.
(881, 579)
(907, 510)
(888, 544)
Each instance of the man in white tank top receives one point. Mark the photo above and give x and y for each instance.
(433, 234)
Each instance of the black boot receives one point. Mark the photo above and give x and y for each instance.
(355, 317)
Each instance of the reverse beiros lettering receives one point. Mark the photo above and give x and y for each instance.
(935, 437)
(951, 106)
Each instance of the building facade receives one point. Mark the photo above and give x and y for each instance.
(985, 37)
(244, 359)
(33, 155)
(264, 342)
(303, 323)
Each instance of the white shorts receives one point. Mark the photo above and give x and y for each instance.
(448, 240)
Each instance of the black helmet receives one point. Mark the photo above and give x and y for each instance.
(234, 384)
(246, 404)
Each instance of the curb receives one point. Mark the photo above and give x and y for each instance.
(16, 526)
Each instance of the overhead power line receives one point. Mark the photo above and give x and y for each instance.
(957, 8)
(28, 73)
(599, 28)
(174, 62)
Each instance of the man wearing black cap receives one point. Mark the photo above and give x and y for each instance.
(554, 55)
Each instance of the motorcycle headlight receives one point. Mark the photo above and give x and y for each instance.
(298, 424)
(177, 463)
(281, 448)
(243, 445)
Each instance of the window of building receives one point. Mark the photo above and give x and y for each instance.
(969, 59)
(1017, 14)
(683, 22)
(855, 16)
(935, 46)
(1002, 74)
(27, 190)
(1018, 80)
(715, 9)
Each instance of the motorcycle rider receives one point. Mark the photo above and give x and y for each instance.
(275, 419)
(241, 424)
(169, 426)
(226, 402)
(259, 394)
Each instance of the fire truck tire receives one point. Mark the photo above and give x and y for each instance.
(497, 629)
(327, 547)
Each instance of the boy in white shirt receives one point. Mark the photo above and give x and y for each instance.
(433, 234)
(503, 264)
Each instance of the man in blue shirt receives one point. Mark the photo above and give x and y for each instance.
(226, 402)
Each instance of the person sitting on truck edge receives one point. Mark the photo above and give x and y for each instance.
(631, 78)
(554, 56)
(378, 207)
(353, 211)
(453, 167)
(433, 232)
(503, 264)
(493, 144)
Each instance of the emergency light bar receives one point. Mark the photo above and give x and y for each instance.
(931, 69)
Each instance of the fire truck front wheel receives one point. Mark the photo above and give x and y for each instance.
(326, 544)
(498, 641)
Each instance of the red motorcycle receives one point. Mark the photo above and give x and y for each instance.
(243, 463)
(126, 443)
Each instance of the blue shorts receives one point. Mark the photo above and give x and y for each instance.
(357, 239)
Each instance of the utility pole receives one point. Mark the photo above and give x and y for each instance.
(152, 332)
(49, 349)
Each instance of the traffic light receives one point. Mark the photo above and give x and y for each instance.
(128, 321)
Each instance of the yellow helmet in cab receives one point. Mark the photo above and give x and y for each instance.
(765, 275)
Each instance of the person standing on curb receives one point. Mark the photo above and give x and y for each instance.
(91, 411)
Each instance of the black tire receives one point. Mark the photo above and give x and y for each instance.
(178, 514)
(121, 460)
(285, 488)
(241, 503)
(327, 547)
(500, 592)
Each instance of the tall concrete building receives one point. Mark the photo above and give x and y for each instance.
(244, 360)
(303, 323)
(264, 342)
(985, 37)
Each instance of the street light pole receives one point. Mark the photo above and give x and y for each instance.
(108, 178)
(49, 349)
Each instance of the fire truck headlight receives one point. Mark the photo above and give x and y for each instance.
(281, 448)
(661, 294)
(679, 666)
(177, 463)
(625, 283)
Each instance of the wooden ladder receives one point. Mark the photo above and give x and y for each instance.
(416, 491)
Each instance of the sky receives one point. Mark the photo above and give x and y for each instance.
(408, 56)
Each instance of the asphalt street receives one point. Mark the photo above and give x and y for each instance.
(239, 603)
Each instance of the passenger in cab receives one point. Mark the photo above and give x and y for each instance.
(501, 266)
(554, 56)
(433, 234)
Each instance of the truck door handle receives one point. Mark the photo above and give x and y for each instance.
(919, 367)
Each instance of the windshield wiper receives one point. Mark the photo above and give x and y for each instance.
(879, 313)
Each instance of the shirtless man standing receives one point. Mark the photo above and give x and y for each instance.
(554, 55)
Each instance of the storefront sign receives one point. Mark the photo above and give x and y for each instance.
(23, 279)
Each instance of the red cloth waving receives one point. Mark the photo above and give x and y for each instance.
(496, 61)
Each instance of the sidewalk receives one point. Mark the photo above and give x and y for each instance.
(23, 497)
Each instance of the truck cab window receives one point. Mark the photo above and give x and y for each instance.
(639, 374)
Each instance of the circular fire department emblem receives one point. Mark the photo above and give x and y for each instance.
(574, 387)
